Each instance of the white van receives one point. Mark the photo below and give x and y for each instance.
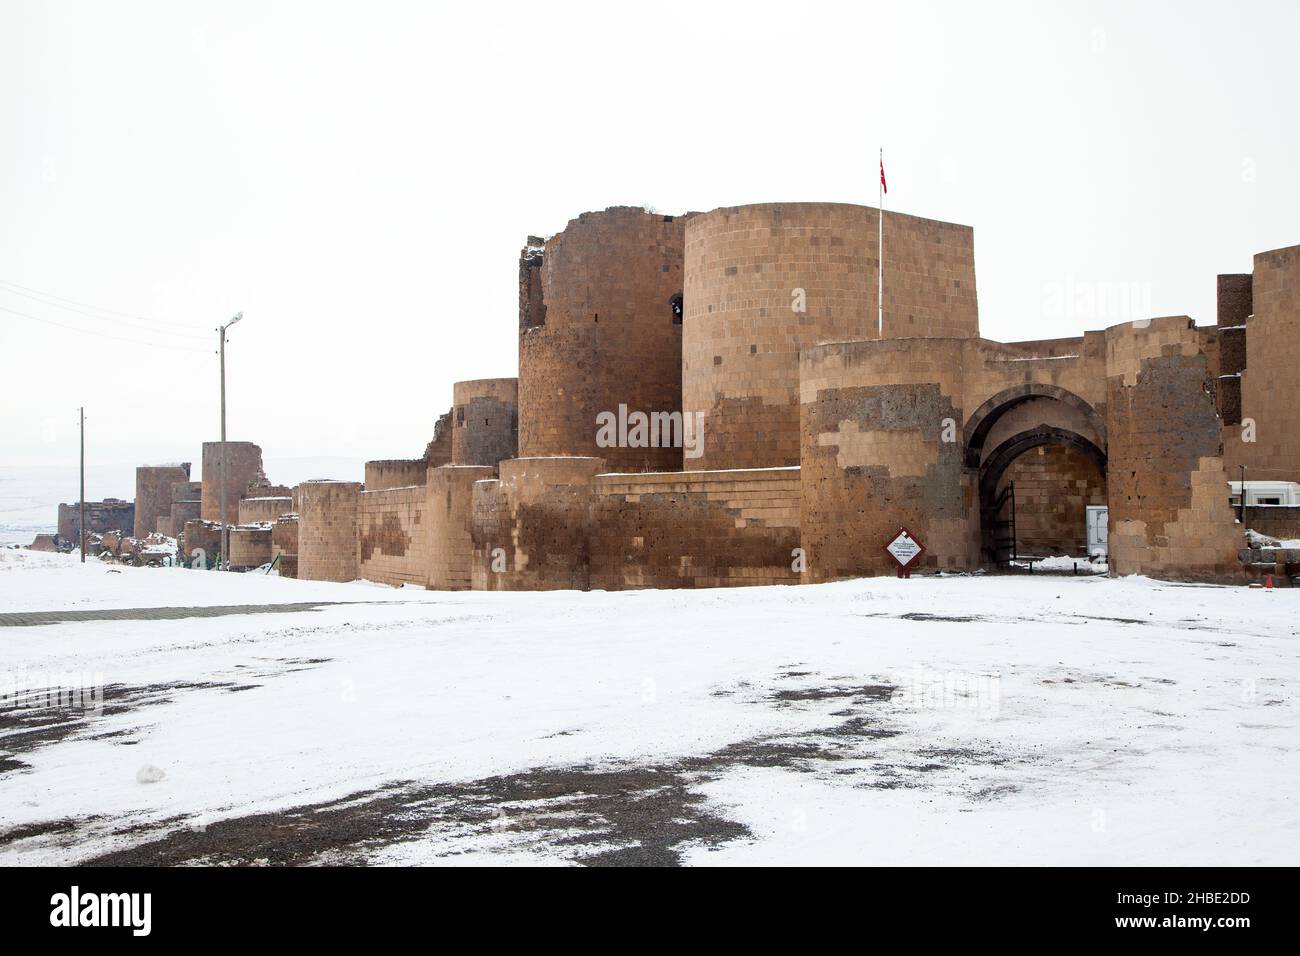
(1265, 493)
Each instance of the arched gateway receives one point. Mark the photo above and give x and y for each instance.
(1036, 505)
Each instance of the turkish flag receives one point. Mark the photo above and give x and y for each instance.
(882, 175)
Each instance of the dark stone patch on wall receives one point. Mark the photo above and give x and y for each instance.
(918, 409)
(1167, 488)
(388, 538)
(552, 535)
(1161, 420)
(1232, 350)
(850, 512)
(747, 429)
(734, 531)
(1234, 299)
(539, 514)
(1228, 397)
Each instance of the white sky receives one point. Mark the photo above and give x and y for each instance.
(359, 178)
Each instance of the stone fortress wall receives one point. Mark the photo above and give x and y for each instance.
(250, 547)
(102, 517)
(1136, 403)
(695, 529)
(824, 432)
(409, 523)
(264, 510)
(392, 535)
(395, 473)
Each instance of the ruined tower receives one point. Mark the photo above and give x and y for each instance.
(602, 329)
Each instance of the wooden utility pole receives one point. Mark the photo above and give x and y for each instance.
(82, 508)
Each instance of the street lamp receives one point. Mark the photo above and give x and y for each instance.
(225, 526)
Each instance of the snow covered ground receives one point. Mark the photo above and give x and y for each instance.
(1017, 719)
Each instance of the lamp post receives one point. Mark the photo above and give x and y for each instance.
(225, 527)
(81, 508)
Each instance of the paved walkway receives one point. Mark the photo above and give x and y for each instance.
(33, 618)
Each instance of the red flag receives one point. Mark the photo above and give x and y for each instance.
(882, 175)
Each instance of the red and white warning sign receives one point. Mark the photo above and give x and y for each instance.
(905, 548)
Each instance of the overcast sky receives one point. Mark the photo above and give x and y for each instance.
(358, 179)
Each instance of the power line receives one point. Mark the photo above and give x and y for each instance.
(84, 305)
(139, 323)
(106, 335)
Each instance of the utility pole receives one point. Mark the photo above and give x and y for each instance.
(82, 507)
(1241, 505)
(225, 527)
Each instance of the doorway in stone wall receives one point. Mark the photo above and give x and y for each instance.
(1054, 484)
(1039, 455)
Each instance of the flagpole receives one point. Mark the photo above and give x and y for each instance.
(880, 249)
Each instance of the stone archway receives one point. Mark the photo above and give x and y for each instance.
(983, 419)
(1008, 451)
(1050, 506)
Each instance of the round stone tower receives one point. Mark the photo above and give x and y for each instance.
(484, 421)
(765, 282)
(602, 336)
(327, 530)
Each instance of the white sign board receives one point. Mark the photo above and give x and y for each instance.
(1096, 519)
(903, 548)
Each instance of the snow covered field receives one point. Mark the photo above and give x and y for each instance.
(1024, 720)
